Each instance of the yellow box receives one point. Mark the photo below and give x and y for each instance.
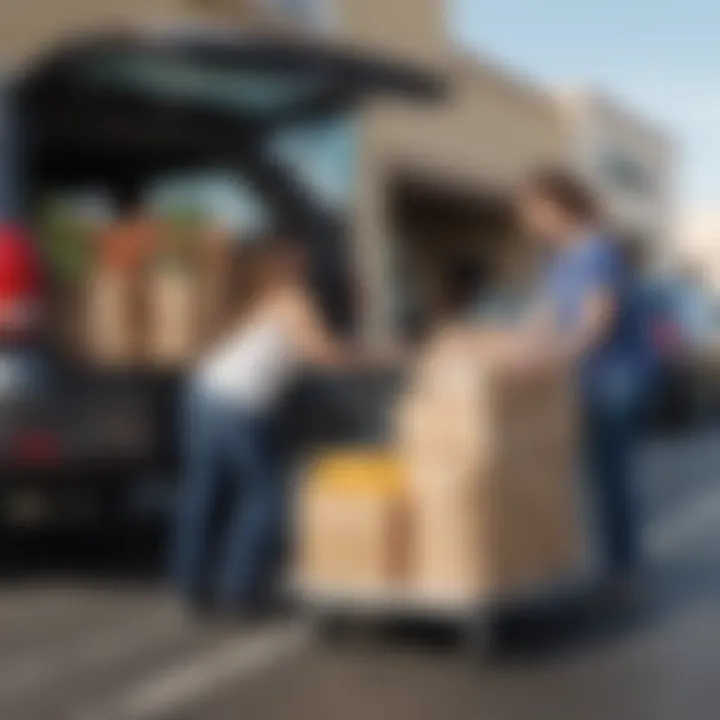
(359, 471)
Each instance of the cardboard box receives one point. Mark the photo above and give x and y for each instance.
(353, 527)
(463, 362)
(359, 471)
(538, 531)
(427, 426)
(490, 536)
(351, 540)
(452, 558)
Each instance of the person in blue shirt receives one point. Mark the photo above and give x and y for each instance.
(589, 314)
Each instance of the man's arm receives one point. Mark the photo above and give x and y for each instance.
(552, 344)
(599, 314)
(600, 276)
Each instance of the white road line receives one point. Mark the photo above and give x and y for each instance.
(199, 677)
(37, 671)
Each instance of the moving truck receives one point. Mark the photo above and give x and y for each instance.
(120, 111)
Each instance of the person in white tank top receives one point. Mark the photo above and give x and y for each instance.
(253, 367)
(234, 397)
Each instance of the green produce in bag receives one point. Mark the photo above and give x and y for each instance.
(65, 242)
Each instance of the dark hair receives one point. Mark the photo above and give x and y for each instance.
(566, 190)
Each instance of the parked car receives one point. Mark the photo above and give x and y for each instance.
(682, 330)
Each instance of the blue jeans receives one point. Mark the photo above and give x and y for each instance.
(230, 515)
(614, 414)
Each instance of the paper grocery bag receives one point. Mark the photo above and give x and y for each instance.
(111, 331)
(172, 318)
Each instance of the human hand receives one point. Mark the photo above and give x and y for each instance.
(389, 354)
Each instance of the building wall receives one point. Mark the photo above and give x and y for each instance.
(628, 160)
(484, 137)
(406, 28)
(32, 26)
(402, 27)
(489, 133)
(696, 244)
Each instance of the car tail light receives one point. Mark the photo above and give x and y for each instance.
(21, 285)
(36, 448)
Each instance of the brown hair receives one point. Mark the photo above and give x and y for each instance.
(569, 192)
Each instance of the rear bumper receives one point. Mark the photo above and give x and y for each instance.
(106, 494)
(102, 473)
(82, 429)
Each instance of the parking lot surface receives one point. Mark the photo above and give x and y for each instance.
(88, 632)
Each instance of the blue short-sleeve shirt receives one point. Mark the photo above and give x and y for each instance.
(591, 265)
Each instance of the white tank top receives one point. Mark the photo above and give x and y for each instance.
(252, 368)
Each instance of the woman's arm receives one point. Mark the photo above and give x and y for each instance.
(321, 347)
(312, 335)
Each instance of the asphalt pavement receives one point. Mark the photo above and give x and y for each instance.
(88, 632)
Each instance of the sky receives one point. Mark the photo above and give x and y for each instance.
(660, 57)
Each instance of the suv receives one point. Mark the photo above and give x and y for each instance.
(119, 112)
(681, 328)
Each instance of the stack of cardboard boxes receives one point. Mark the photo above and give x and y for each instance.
(486, 457)
(490, 453)
(353, 522)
